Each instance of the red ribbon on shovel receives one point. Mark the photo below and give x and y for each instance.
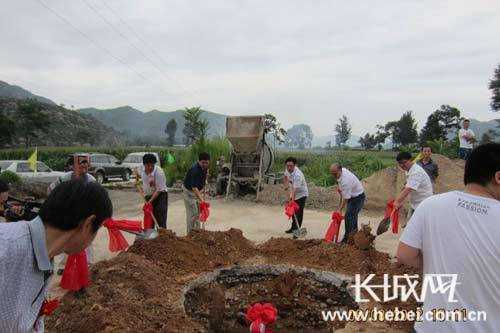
(76, 272)
(148, 216)
(204, 211)
(260, 315)
(332, 234)
(291, 208)
(117, 241)
(393, 215)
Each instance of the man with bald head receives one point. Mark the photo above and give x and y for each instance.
(352, 194)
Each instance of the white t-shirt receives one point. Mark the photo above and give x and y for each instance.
(459, 233)
(155, 181)
(420, 182)
(297, 180)
(349, 184)
(463, 142)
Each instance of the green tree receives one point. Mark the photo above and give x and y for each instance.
(299, 136)
(195, 128)
(403, 131)
(369, 141)
(273, 128)
(171, 130)
(494, 86)
(7, 129)
(30, 120)
(342, 131)
(440, 123)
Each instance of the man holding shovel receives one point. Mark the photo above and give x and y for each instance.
(418, 184)
(296, 185)
(352, 194)
(154, 188)
(194, 182)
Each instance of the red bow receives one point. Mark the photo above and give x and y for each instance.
(148, 216)
(117, 241)
(204, 211)
(393, 215)
(76, 272)
(332, 234)
(48, 306)
(261, 315)
(291, 208)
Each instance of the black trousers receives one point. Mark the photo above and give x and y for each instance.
(299, 216)
(354, 206)
(160, 208)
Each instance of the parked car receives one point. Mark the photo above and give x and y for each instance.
(103, 167)
(134, 160)
(22, 169)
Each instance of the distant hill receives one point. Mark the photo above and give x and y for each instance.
(134, 123)
(16, 92)
(481, 127)
(67, 128)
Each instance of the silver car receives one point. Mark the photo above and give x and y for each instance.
(23, 170)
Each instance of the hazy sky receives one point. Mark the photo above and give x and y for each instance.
(304, 61)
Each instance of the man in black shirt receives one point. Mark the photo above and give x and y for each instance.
(194, 182)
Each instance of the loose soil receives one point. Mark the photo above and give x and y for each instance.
(299, 300)
(141, 289)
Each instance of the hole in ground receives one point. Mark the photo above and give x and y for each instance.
(218, 300)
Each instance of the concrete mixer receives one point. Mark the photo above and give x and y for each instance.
(251, 157)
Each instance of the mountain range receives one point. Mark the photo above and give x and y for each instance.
(133, 123)
(127, 124)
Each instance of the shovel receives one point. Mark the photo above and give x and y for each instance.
(383, 226)
(149, 233)
(299, 232)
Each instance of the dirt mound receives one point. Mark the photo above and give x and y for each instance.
(363, 238)
(199, 251)
(127, 292)
(141, 289)
(315, 253)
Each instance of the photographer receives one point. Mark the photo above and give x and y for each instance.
(4, 196)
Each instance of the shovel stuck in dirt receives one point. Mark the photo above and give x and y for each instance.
(383, 226)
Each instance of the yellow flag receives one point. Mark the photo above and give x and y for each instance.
(32, 160)
(418, 157)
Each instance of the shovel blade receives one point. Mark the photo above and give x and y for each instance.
(148, 234)
(383, 226)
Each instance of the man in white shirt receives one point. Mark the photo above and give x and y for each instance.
(154, 188)
(418, 184)
(467, 138)
(459, 233)
(296, 185)
(352, 193)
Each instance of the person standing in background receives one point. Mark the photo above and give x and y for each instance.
(81, 164)
(428, 164)
(154, 188)
(467, 138)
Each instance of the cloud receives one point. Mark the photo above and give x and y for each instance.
(307, 62)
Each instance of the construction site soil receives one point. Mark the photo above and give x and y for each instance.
(143, 288)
